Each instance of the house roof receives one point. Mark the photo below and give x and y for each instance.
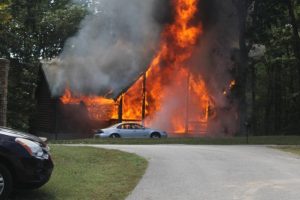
(57, 85)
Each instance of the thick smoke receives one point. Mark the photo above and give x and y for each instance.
(214, 60)
(215, 50)
(114, 45)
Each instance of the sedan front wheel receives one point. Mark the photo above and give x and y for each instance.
(155, 135)
(114, 135)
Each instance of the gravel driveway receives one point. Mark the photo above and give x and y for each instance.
(186, 172)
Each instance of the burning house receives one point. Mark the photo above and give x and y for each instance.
(183, 87)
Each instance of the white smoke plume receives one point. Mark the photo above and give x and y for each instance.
(114, 45)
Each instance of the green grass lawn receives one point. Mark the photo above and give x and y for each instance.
(291, 149)
(88, 173)
(263, 140)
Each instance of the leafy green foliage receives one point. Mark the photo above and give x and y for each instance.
(276, 79)
(4, 14)
(22, 84)
(31, 31)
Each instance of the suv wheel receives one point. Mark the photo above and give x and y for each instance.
(5, 182)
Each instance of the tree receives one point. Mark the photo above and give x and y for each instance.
(276, 97)
(30, 31)
(4, 14)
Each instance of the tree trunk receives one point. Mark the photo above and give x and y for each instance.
(268, 122)
(277, 99)
(253, 99)
(4, 67)
(296, 33)
(242, 12)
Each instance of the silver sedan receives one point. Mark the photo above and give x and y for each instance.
(129, 130)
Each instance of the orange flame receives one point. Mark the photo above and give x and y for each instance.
(169, 68)
(232, 84)
(99, 108)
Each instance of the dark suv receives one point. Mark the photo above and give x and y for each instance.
(25, 161)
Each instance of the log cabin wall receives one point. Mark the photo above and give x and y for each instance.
(45, 120)
(55, 120)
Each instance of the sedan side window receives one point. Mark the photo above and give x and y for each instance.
(120, 127)
(139, 126)
(126, 126)
(134, 126)
(130, 126)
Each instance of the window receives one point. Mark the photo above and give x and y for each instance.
(137, 126)
(120, 127)
(126, 126)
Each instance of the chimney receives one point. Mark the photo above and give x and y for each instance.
(4, 67)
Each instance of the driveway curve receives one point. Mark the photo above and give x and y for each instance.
(187, 172)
